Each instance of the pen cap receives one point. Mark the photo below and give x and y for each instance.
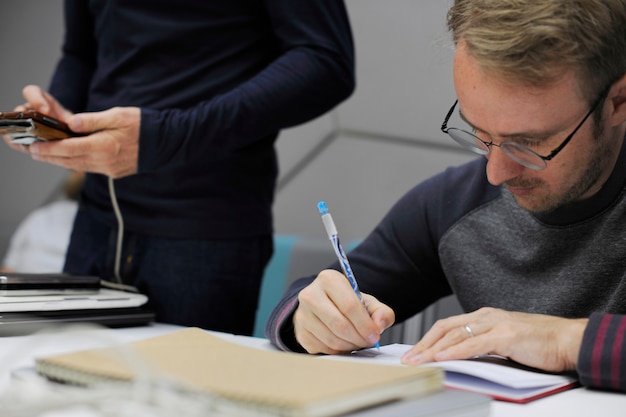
(329, 224)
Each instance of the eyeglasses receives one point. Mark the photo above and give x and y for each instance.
(519, 153)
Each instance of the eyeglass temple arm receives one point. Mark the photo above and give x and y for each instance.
(566, 141)
(444, 125)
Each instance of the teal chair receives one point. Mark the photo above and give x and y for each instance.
(274, 281)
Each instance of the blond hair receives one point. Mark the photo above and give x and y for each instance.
(535, 41)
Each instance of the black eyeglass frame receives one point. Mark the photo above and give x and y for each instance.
(488, 145)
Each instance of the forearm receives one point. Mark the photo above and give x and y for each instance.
(312, 71)
(293, 89)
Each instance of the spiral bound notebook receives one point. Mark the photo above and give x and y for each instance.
(246, 380)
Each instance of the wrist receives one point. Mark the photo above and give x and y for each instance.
(573, 341)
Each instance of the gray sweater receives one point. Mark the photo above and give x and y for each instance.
(456, 233)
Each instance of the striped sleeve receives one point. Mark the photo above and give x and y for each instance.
(279, 327)
(602, 358)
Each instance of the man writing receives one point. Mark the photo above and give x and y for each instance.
(530, 238)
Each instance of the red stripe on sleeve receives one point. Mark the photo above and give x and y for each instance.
(616, 354)
(596, 356)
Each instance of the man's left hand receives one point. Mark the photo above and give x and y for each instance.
(545, 342)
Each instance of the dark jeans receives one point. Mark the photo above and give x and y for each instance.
(212, 284)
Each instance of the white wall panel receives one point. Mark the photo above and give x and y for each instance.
(359, 178)
(296, 145)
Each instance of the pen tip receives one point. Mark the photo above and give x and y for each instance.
(321, 207)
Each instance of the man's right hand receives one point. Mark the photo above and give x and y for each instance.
(331, 319)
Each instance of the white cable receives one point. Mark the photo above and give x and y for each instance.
(118, 286)
(120, 231)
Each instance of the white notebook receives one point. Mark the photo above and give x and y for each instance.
(497, 377)
(103, 298)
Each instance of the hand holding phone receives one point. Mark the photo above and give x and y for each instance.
(26, 127)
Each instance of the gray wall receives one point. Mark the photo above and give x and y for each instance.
(359, 158)
(30, 39)
(386, 137)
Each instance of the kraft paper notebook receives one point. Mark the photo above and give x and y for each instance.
(249, 380)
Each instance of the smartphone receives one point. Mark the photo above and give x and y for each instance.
(29, 284)
(26, 127)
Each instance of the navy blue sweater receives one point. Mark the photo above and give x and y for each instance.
(216, 81)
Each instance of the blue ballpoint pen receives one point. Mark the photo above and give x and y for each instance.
(331, 230)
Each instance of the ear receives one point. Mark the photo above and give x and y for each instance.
(617, 99)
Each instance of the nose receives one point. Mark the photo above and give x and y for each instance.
(500, 167)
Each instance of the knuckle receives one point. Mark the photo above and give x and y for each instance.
(352, 308)
(487, 311)
(439, 325)
(340, 325)
(305, 296)
(326, 275)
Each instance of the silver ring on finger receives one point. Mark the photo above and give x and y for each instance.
(469, 331)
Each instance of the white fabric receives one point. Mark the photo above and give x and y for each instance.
(40, 241)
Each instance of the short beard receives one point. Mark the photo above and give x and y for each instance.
(591, 176)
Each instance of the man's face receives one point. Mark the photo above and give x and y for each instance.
(539, 118)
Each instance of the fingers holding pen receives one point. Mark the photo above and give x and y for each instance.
(331, 319)
(382, 315)
(327, 310)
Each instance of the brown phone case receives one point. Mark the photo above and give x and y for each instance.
(26, 127)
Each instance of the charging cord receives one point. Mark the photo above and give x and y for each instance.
(120, 231)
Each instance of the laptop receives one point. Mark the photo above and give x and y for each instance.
(28, 322)
(26, 314)
(99, 299)
(20, 284)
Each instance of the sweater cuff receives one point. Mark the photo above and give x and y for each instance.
(280, 330)
(148, 144)
(602, 357)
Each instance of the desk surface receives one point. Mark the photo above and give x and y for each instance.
(19, 352)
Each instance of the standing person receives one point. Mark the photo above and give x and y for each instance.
(180, 103)
(531, 237)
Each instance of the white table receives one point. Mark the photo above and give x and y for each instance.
(19, 352)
